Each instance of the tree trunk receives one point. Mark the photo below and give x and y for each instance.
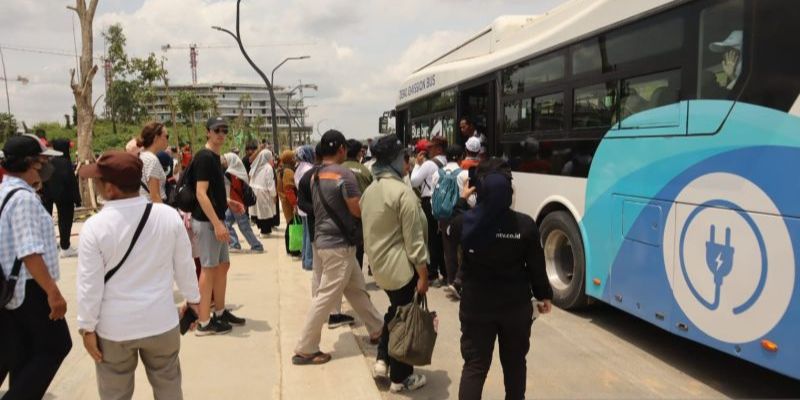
(82, 91)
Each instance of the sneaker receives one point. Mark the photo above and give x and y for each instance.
(214, 327)
(231, 319)
(413, 382)
(337, 320)
(454, 290)
(67, 253)
(257, 250)
(265, 235)
(436, 283)
(235, 249)
(380, 370)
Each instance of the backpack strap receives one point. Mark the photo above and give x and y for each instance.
(17, 262)
(331, 212)
(136, 234)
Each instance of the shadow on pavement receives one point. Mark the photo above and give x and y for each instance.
(252, 325)
(729, 375)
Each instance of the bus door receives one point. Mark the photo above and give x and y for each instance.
(477, 100)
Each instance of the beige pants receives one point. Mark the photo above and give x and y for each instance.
(316, 276)
(340, 275)
(115, 375)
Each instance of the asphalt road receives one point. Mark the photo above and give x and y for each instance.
(600, 352)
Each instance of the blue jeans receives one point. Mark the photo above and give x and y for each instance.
(244, 226)
(307, 254)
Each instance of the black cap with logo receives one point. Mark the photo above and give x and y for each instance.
(27, 145)
(331, 141)
(215, 122)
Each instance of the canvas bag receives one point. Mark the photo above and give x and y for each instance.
(296, 235)
(445, 194)
(412, 334)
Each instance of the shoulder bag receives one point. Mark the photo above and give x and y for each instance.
(136, 234)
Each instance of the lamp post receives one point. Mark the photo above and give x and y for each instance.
(289, 106)
(238, 38)
(274, 100)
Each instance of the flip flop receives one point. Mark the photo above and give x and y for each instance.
(314, 359)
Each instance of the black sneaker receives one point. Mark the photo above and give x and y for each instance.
(214, 327)
(231, 319)
(337, 320)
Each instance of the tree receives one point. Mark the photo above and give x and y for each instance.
(190, 104)
(8, 126)
(82, 89)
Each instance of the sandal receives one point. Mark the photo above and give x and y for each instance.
(314, 359)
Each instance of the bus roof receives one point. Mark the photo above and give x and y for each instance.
(514, 38)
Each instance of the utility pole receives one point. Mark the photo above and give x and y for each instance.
(5, 80)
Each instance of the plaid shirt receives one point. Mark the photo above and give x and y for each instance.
(25, 228)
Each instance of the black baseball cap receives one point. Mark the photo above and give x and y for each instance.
(331, 141)
(27, 145)
(215, 122)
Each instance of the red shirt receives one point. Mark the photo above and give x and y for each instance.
(467, 163)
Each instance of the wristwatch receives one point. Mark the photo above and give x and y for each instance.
(84, 332)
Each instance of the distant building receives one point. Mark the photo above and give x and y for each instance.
(251, 102)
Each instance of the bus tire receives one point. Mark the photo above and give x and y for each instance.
(564, 259)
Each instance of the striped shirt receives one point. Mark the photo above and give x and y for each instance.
(25, 228)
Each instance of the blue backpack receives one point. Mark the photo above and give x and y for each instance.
(445, 194)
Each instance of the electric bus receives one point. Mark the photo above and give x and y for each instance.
(657, 145)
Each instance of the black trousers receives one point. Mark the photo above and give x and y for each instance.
(436, 266)
(33, 346)
(398, 371)
(66, 213)
(512, 329)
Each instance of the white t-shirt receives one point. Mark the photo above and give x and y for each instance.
(152, 169)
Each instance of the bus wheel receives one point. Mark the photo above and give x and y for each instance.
(564, 258)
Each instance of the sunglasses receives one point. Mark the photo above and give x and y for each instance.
(221, 131)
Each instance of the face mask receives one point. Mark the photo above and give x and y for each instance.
(46, 172)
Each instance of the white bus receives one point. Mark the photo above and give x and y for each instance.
(656, 143)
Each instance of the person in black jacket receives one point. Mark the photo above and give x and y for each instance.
(62, 191)
(503, 268)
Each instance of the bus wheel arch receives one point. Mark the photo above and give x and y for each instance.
(564, 254)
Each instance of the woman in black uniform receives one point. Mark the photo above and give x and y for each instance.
(503, 267)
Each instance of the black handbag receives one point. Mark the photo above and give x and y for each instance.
(9, 284)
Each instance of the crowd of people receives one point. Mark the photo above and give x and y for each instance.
(431, 214)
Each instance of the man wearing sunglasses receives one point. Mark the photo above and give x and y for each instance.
(210, 232)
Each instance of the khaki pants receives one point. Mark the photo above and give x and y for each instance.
(340, 275)
(316, 277)
(115, 375)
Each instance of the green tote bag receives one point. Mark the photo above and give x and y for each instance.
(296, 235)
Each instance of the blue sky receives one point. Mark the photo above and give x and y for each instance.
(361, 50)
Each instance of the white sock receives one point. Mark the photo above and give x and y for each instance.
(218, 313)
(205, 324)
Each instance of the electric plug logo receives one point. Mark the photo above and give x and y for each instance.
(730, 263)
(719, 258)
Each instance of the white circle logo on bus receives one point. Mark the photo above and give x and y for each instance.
(731, 271)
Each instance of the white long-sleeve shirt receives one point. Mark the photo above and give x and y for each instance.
(422, 176)
(137, 302)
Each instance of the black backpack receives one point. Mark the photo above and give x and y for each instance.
(8, 285)
(183, 197)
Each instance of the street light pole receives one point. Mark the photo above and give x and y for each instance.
(288, 109)
(238, 38)
(5, 81)
(274, 100)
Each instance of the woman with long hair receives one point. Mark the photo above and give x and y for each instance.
(262, 180)
(153, 140)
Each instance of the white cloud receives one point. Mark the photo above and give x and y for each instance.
(360, 50)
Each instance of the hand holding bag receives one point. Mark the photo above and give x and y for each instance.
(412, 334)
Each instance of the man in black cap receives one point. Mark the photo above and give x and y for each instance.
(210, 232)
(34, 338)
(335, 195)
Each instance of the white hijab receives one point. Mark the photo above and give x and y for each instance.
(259, 173)
(236, 167)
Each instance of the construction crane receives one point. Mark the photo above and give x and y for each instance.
(192, 47)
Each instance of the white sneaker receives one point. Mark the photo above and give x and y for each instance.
(70, 252)
(380, 370)
(413, 382)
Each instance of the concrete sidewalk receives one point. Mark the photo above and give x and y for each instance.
(254, 361)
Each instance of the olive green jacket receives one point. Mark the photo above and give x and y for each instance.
(395, 231)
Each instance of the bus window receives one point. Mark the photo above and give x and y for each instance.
(420, 129)
(518, 116)
(595, 106)
(528, 75)
(651, 91)
(721, 44)
(548, 112)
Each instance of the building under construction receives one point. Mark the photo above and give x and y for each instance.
(249, 103)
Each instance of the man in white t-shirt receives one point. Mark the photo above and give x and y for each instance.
(130, 312)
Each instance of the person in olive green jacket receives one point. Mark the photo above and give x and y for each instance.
(395, 241)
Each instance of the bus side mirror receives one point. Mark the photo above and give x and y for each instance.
(383, 125)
